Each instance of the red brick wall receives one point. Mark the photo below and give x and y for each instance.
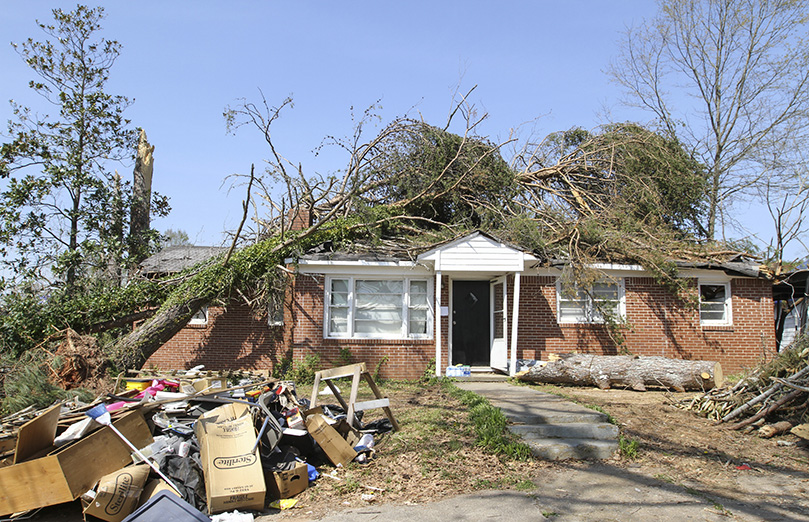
(234, 338)
(659, 324)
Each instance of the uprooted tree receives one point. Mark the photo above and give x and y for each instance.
(620, 192)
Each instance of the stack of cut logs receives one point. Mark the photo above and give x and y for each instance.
(777, 392)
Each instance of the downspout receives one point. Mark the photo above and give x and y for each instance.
(437, 331)
(515, 315)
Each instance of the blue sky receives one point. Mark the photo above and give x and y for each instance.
(537, 66)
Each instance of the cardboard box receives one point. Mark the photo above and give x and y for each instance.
(152, 488)
(209, 385)
(287, 484)
(234, 478)
(67, 473)
(334, 446)
(117, 494)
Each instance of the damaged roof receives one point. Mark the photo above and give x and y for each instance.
(177, 258)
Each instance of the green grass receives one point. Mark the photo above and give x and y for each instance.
(490, 425)
(629, 448)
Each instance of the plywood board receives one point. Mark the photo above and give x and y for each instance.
(37, 434)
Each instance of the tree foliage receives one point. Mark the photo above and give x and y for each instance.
(619, 192)
(61, 209)
(730, 79)
(441, 176)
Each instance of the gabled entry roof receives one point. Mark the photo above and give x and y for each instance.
(477, 252)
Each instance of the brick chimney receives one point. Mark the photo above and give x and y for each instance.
(300, 218)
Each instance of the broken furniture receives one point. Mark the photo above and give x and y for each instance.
(355, 371)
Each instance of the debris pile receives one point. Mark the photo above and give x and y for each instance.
(773, 398)
(190, 441)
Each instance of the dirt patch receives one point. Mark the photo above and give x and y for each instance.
(707, 459)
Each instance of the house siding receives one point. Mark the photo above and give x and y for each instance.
(659, 324)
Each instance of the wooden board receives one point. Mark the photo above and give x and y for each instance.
(37, 434)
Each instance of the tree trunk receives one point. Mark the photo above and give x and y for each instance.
(606, 371)
(139, 222)
(134, 349)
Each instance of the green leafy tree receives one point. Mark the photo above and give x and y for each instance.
(61, 209)
(435, 174)
(173, 237)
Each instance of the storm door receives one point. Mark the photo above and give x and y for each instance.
(499, 306)
(471, 323)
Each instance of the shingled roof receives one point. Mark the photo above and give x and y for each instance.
(177, 258)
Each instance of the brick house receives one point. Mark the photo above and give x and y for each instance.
(482, 302)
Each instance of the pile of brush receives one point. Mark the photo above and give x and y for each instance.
(773, 397)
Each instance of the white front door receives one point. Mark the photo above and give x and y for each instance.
(499, 326)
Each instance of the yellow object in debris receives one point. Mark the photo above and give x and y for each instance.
(137, 384)
(284, 503)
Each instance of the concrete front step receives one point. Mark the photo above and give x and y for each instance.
(574, 430)
(563, 449)
(554, 416)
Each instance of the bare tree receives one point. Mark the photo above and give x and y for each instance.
(788, 211)
(730, 78)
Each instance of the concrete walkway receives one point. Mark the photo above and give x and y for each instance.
(554, 428)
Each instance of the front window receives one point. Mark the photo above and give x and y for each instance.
(200, 318)
(589, 305)
(275, 309)
(714, 303)
(378, 308)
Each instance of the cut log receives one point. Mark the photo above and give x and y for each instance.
(771, 430)
(606, 371)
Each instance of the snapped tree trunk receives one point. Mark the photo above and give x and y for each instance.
(606, 371)
(139, 221)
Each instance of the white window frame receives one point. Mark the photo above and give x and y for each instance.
(728, 319)
(403, 334)
(200, 318)
(590, 316)
(275, 310)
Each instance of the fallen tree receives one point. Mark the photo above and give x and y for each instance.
(609, 371)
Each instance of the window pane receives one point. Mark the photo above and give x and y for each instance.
(418, 327)
(605, 291)
(379, 287)
(338, 327)
(379, 301)
(712, 302)
(418, 287)
(379, 315)
(712, 293)
(418, 300)
(339, 299)
(499, 332)
(339, 285)
(573, 310)
(378, 327)
(418, 315)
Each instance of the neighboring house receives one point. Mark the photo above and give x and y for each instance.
(481, 302)
(790, 295)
